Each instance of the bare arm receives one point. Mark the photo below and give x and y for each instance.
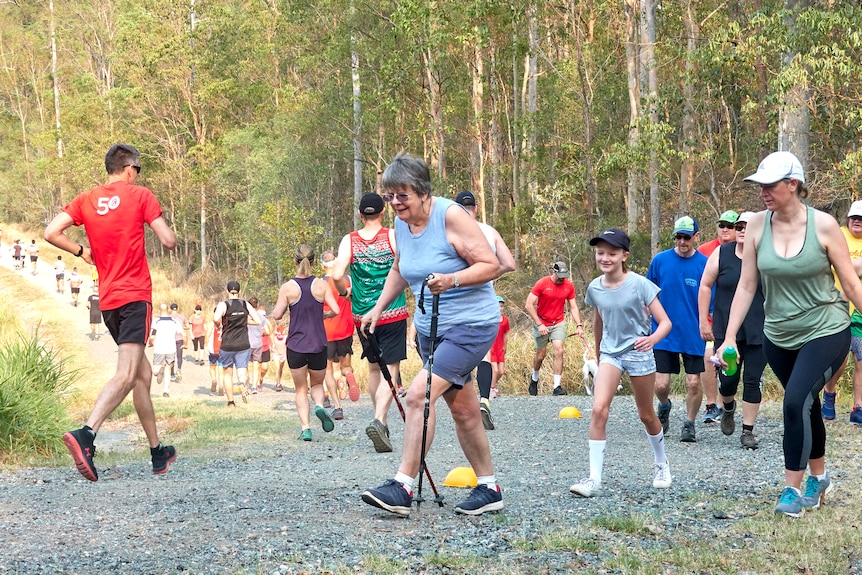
(598, 326)
(395, 284)
(504, 254)
(576, 314)
(286, 293)
(55, 234)
(530, 308)
(704, 295)
(253, 317)
(835, 244)
(464, 235)
(659, 314)
(219, 312)
(328, 297)
(164, 232)
(341, 263)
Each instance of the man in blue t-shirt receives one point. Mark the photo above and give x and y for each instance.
(677, 272)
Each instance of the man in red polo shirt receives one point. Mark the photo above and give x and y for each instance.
(114, 215)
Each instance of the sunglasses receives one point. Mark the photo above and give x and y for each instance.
(400, 197)
(137, 168)
(684, 237)
(854, 217)
(739, 227)
(725, 226)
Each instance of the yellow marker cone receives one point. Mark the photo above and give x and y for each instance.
(570, 413)
(461, 477)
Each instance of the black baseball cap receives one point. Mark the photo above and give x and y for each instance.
(233, 286)
(371, 204)
(466, 199)
(174, 306)
(613, 236)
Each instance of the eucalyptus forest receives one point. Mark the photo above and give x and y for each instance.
(262, 122)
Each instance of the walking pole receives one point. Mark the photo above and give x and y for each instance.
(435, 302)
(371, 352)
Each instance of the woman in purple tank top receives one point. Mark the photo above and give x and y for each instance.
(304, 295)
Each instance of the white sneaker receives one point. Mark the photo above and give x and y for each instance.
(661, 476)
(586, 487)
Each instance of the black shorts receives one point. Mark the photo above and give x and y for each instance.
(339, 348)
(129, 323)
(34, 258)
(668, 362)
(198, 342)
(314, 361)
(60, 277)
(265, 356)
(76, 290)
(392, 338)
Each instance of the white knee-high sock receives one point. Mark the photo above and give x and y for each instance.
(597, 459)
(657, 443)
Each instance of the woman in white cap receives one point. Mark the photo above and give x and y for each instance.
(722, 272)
(792, 251)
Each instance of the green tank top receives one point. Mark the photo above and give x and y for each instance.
(801, 301)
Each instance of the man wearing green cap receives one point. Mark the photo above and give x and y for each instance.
(726, 234)
(677, 273)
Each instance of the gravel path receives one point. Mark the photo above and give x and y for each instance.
(288, 506)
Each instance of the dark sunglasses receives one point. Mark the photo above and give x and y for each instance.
(739, 227)
(137, 168)
(684, 237)
(400, 197)
(854, 217)
(725, 225)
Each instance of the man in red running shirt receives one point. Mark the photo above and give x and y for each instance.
(114, 215)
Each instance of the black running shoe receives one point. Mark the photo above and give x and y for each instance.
(80, 444)
(481, 500)
(162, 458)
(391, 496)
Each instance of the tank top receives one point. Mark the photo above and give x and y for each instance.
(306, 333)
(729, 270)
(370, 262)
(234, 323)
(801, 301)
(429, 251)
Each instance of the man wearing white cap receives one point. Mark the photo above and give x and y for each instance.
(853, 233)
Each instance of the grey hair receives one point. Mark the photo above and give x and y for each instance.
(405, 171)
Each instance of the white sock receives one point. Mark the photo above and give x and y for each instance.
(488, 481)
(657, 443)
(821, 477)
(558, 379)
(405, 480)
(535, 375)
(597, 459)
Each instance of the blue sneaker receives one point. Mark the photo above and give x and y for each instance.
(815, 491)
(790, 502)
(480, 500)
(664, 415)
(856, 417)
(391, 496)
(828, 407)
(711, 414)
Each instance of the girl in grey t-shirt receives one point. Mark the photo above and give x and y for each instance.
(624, 302)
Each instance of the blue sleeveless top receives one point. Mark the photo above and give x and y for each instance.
(430, 252)
(306, 333)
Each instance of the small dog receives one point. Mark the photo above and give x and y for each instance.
(589, 371)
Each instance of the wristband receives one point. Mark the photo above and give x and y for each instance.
(80, 251)
(455, 281)
(580, 325)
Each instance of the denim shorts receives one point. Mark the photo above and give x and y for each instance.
(856, 347)
(459, 350)
(635, 363)
(234, 358)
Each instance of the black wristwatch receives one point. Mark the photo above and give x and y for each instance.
(80, 251)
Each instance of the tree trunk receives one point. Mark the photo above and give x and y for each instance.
(477, 148)
(357, 123)
(794, 118)
(632, 10)
(686, 173)
(585, 92)
(652, 80)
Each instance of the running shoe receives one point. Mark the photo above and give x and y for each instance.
(160, 377)
(790, 502)
(664, 415)
(353, 389)
(728, 423)
(711, 413)
(165, 394)
(391, 496)
(162, 458)
(485, 411)
(816, 491)
(856, 417)
(749, 440)
(341, 386)
(481, 500)
(586, 487)
(325, 420)
(243, 391)
(305, 435)
(688, 435)
(231, 404)
(828, 407)
(661, 477)
(213, 388)
(495, 393)
(379, 436)
(326, 403)
(254, 390)
(337, 414)
(278, 387)
(80, 444)
(533, 388)
(559, 390)
(401, 391)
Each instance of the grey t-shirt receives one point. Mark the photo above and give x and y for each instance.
(624, 311)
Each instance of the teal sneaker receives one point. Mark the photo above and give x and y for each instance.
(305, 435)
(790, 502)
(815, 491)
(325, 419)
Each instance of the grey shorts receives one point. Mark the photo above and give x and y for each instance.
(856, 347)
(555, 333)
(635, 363)
(160, 359)
(459, 351)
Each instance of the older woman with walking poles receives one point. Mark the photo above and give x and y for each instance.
(792, 248)
(442, 251)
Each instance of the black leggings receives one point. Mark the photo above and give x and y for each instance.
(752, 362)
(803, 373)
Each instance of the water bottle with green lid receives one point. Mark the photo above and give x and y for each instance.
(730, 356)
